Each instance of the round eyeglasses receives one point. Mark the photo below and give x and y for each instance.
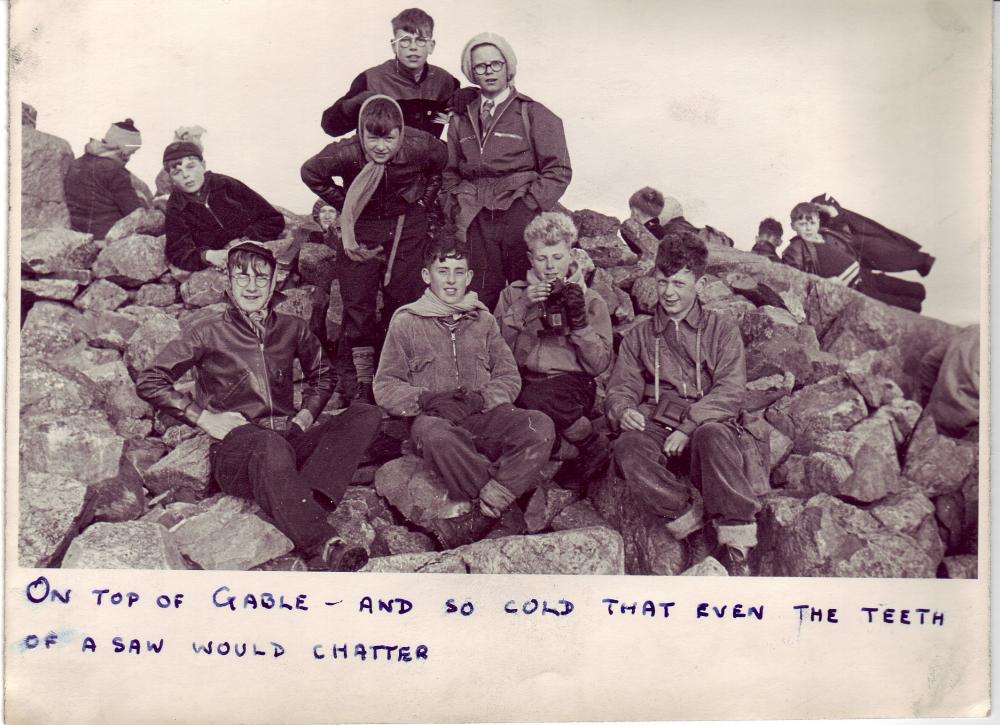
(495, 66)
(242, 280)
(406, 41)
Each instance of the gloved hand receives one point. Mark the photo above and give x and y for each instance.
(448, 404)
(576, 306)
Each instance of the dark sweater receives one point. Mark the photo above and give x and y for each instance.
(223, 209)
(99, 192)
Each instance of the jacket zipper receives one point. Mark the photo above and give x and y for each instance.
(267, 381)
(480, 133)
(454, 355)
(207, 194)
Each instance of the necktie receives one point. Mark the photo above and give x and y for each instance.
(486, 114)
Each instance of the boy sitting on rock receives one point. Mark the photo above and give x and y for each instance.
(445, 364)
(207, 211)
(268, 449)
(828, 253)
(560, 334)
(675, 392)
(768, 239)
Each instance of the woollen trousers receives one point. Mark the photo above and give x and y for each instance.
(281, 473)
(506, 444)
(713, 460)
(497, 251)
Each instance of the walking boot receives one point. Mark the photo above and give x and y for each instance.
(735, 560)
(461, 530)
(698, 547)
(337, 555)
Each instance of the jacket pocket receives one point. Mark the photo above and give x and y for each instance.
(484, 372)
(222, 401)
(421, 371)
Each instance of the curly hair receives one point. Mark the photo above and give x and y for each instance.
(771, 226)
(446, 246)
(550, 228)
(682, 250)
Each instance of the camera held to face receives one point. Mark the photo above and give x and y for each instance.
(555, 320)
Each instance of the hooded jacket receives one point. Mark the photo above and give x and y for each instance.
(237, 370)
(420, 353)
(99, 190)
(703, 339)
(582, 351)
(412, 176)
(420, 100)
(223, 209)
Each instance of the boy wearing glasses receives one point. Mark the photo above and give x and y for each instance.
(422, 90)
(208, 211)
(675, 392)
(507, 161)
(267, 449)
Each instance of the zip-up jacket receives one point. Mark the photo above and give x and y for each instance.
(99, 192)
(420, 100)
(421, 353)
(587, 350)
(224, 209)
(413, 175)
(803, 255)
(512, 161)
(704, 340)
(236, 370)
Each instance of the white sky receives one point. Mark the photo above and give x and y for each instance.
(739, 110)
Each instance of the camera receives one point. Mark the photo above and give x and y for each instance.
(671, 411)
(555, 321)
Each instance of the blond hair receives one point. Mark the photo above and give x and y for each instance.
(550, 228)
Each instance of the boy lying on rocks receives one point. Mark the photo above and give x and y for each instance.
(560, 334)
(266, 450)
(445, 364)
(675, 392)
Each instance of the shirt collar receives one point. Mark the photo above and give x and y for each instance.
(693, 318)
(498, 101)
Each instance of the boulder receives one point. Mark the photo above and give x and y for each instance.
(48, 329)
(714, 289)
(156, 294)
(545, 504)
(52, 510)
(912, 513)
(63, 290)
(393, 539)
(415, 490)
(782, 351)
(44, 390)
(578, 515)
(317, 264)
(122, 403)
(649, 547)
(149, 222)
(283, 563)
(118, 499)
(596, 550)
(963, 566)
(875, 389)
(184, 471)
(205, 287)
(107, 330)
(639, 239)
(81, 446)
(230, 535)
(734, 307)
(132, 261)
(937, 464)
(45, 159)
(133, 428)
(709, 566)
(626, 276)
(645, 294)
(125, 545)
(608, 250)
(829, 405)
(101, 296)
(177, 434)
(304, 302)
(351, 521)
(824, 536)
(902, 415)
(763, 391)
(148, 339)
(594, 224)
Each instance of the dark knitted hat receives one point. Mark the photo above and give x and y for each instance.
(179, 150)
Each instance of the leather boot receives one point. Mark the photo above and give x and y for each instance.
(461, 530)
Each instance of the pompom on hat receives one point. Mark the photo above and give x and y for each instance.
(124, 135)
(489, 39)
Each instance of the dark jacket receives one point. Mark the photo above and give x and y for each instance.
(877, 247)
(420, 100)
(235, 370)
(224, 209)
(412, 175)
(803, 255)
(511, 162)
(706, 340)
(98, 192)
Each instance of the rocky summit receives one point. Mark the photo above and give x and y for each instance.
(862, 483)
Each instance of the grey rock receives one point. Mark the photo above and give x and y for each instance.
(578, 515)
(122, 403)
(645, 294)
(108, 330)
(640, 239)
(590, 223)
(125, 545)
(709, 566)
(829, 405)
(151, 222)
(875, 389)
(596, 550)
(63, 290)
(913, 514)
(184, 471)
(963, 566)
(414, 489)
(230, 535)
(48, 329)
(782, 351)
(205, 287)
(81, 446)
(147, 341)
(45, 159)
(304, 302)
(608, 250)
(762, 392)
(902, 415)
(44, 390)
(937, 464)
(101, 296)
(400, 540)
(156, 294)
(133, 428)
(545, 504)
(317, 264)
(132, 261)
(177, 434)
(351, 521)
(626, 276)
(734, 307)
(52, 510)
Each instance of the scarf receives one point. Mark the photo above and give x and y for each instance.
(366, 182)
(430, 305)
(575, 276)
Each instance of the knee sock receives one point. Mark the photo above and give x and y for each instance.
(364, 364)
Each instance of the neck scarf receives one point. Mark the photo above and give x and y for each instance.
(366, 182)
(430, 305)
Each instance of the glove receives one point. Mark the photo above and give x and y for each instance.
(293, 433)
(449, 404)
(576, 306)
(474, 401)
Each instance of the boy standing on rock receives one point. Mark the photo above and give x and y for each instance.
(208, 211)
(446, 365)
(560, 334)
(268, 449)
(675, 392)
(422, 90)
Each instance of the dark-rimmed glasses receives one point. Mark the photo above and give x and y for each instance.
(495, 66)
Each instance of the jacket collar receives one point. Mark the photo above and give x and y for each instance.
(184, 198)
(393, 65)
(473, 108)
(695, 318)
